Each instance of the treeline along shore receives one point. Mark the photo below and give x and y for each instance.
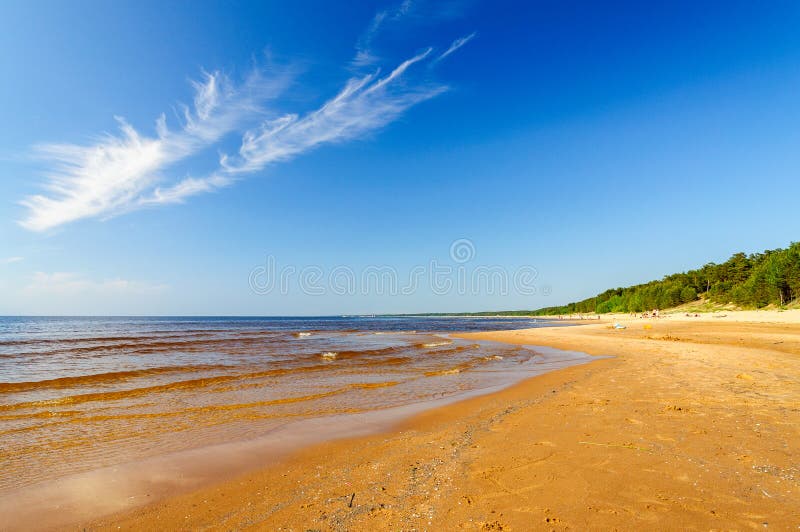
(758, 280)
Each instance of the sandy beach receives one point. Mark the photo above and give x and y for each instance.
(402, 265)
(692, 424)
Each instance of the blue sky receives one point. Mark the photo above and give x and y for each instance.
(153, 157)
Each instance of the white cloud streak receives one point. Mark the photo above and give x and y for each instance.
(188, 187)
(458, 43)
(124, 172)
(11, 260)
(120, 172)
(365, 56)
(365, 104)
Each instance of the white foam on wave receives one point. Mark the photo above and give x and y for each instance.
(437, 344)
(330, 355)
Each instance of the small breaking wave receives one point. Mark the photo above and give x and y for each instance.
(438, 344)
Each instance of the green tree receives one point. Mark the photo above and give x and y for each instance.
(688, 294)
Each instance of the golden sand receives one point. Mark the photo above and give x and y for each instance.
(694, 424)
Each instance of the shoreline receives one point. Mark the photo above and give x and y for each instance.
(123, 487)
(691, 424)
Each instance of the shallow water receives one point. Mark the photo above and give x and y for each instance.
(79, 394)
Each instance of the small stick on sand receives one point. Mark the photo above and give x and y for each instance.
(350, 504)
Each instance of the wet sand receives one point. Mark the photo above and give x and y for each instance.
(694, 424)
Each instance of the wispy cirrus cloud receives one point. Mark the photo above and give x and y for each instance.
(365, 55)
(365, 104)
(398, 18)
(11, 260)
(123, 172)
(181, 190)
(458, 43)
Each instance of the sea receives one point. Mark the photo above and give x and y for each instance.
(84, 393)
